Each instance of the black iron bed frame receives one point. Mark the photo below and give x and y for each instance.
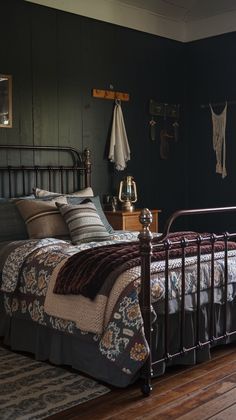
(68, 177)
(81, 167)
(146, 249)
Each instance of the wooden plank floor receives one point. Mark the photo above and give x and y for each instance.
(204, 391)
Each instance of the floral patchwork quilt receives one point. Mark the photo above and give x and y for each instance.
(113, 320)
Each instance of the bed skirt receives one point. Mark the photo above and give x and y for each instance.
(65, 349)
(60, 349)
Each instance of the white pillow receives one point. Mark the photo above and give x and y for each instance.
(86, 192)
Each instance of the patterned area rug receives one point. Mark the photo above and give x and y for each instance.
(31, 390)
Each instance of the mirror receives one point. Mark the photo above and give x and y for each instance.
(5, 101)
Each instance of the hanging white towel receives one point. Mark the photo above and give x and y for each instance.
(119, 152)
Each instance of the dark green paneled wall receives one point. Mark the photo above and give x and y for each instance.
(56, 58)
(212, 69)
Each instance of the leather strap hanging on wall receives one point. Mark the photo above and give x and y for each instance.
(169, 129)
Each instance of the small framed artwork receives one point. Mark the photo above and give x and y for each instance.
(5, 101)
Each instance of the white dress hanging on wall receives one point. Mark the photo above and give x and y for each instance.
(219, 145)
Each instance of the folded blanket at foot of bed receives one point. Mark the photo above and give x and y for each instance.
(86, 272)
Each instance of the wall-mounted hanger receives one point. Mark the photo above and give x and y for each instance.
(160, 109)
(218, 104)
(167, 112)
(110, 94)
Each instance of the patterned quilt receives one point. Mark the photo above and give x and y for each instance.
(113, 320)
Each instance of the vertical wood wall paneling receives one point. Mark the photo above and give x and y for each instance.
(15, 60)
(22, 76)
(98, 70)
(45, 83)
(211, 79)
(70, 56)
(69, 62)
(169, 181)
(8, 57)
(22, 92)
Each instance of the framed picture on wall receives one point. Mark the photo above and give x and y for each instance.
(5, 101)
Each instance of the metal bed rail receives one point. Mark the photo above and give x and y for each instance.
(147, 246)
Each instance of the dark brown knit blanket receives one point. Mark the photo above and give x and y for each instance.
(86, 272)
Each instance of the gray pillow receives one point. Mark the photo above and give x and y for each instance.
(96, 201)
(12, 226)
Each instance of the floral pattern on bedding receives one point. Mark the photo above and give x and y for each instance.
(122, 341)
(34, 247)
(125, 347)
(175, 276)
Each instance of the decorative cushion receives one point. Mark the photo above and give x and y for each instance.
(43, 219)
(86, 192)
(74, 199)
(84, 223)
(96, 201)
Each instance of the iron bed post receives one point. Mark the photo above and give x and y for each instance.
(87, 164)
(226, 237)
(145, 238)
(182, 318)
(166, 319)
(198, 308)
(212, 291)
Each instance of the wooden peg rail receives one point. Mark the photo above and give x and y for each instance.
(110, 94)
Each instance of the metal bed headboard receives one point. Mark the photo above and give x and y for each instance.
(17, 180)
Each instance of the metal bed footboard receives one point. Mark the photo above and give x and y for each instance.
(146, 250)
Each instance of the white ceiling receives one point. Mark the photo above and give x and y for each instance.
(182, 20)
(184, 10)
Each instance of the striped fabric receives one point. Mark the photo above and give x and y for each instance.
(43, 219)
(84, 223)
(37, 390)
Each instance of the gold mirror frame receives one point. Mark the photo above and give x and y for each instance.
(5, 101)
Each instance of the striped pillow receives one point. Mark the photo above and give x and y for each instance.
(43, 219)
(96, 201)
(84, 223)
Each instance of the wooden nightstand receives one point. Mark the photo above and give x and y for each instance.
(129, 220)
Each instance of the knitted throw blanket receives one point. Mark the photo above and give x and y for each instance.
(86, 272)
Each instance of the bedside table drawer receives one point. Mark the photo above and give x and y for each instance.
(121, 220)
(132, 223)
